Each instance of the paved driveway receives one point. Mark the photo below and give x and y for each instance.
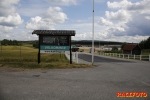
(99, 83)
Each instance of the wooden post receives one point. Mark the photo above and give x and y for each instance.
(39, 52)
(70, 51)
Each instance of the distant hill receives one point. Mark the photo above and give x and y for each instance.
(96, 42)
(81, 42)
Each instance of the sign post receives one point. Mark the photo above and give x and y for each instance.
(39, 56)
(70, 52)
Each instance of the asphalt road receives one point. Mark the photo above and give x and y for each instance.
(88, 58)
(98, 83)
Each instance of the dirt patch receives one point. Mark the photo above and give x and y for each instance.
(7, 69)
(10, 69)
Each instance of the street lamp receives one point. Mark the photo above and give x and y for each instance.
(1, 47)
(99, 46)
(93, 37)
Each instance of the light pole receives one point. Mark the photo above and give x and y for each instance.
(93, 37)
(1, 47)
(99, 46)
(20, 48)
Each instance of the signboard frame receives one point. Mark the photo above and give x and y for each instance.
(63, 45)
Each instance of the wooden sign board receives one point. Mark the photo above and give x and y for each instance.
(54, 41)
(54, 44)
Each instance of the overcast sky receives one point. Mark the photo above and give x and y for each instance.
(115, 20)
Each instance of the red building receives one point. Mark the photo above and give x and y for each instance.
(132, 49)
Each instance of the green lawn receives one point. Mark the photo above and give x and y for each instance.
(146, 52)
(26, 57)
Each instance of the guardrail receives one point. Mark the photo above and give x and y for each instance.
(127, 56)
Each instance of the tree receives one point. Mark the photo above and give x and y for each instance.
(122, 46)
(145, 44)
(114, 49)
(142, 44)
(36, 44)
(9, 42)
(5, 42)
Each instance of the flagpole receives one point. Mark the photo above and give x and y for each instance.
(93, 37)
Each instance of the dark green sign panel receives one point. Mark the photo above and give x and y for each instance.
(54, 40)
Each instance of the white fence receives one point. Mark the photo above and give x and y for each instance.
(127, 56)
(74, 56)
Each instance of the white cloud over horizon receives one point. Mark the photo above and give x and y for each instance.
(63, 2)
(129, 19)
(52, 16)
(9, 19)
(119, 20)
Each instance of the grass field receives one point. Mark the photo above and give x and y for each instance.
(146, 52)
(26, 57)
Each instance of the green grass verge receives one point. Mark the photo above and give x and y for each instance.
(11, 56)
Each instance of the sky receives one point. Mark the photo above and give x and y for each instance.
(114, 20)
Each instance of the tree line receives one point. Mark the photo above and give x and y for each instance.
(9, 42)
(145, 44)
(36, 44)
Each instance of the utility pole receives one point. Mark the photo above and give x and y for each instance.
(1, 47)
(99, 47)
(20, 48)
(93, 37)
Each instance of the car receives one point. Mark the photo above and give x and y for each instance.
(74, 48)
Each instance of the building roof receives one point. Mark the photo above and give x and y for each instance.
(55, 32)
(129, 46)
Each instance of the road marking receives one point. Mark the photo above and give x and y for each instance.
(145, 83)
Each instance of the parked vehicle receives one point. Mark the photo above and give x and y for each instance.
(74, 48)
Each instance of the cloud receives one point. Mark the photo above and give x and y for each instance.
(138, 26)
(83, 36)
(129, 6)
(5, 29)
(62, 2)
(130, 19)
(55, 14)
(7, 7)
(121, 4)
(11, 20)
(142, 5)
(51, 17)
(147, 17)
(119, 15)
(104, 22)
(38, 23)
